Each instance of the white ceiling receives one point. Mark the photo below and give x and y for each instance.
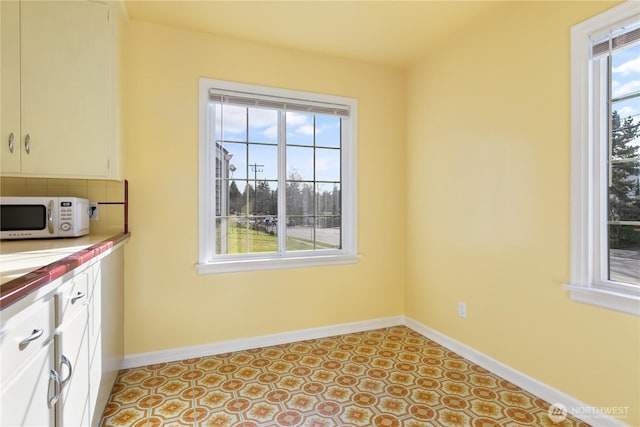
(392, 32)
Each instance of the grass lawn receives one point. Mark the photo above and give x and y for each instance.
(242, 240)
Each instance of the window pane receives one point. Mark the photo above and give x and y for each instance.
(327, 164)
(328, 232)
(263, 198)
(237, 154)
(238, 236)
(624, 193)
(328, 199)
(300, 163)
(263, 125)
(231, 236)
(260, 237)
(624, 253)
(328, 131)
(237, 197)
(263, 162)
(299, 233)
(299, 128)
(234, 123)
(299, 199)
(625, 124)
(625, 72)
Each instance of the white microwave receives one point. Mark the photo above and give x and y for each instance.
(43, 217)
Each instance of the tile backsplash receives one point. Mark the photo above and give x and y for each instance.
(110, 217)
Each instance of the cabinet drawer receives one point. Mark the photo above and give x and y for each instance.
(24, 334)
(72, 296)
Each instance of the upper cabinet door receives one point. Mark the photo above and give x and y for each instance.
(64, 88)
(10, 140)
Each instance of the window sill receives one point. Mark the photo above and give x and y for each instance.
(259, 264)
(626, 303)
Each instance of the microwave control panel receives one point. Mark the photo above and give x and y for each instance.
(66, 215)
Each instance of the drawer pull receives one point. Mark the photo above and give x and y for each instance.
(56, 386)
(37, 333)
(77, 296)
(65, 361)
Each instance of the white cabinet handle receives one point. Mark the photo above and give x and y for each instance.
(76, 297)
(27, 144)
(56, 386)
(65, 361)
(37, 333)
(11, 147)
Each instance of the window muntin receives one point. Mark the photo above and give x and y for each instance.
(284, 177)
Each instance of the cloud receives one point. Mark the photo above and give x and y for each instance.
(305, 129)
(235, 119)
(271, 132)
(259, 117)
(625, 88)
(632, 66)
(296, 119)
(627, 111)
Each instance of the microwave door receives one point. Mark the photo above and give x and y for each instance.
(28, 217)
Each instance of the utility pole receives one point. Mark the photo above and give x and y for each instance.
(256, 168)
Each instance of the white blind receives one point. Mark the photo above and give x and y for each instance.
(277, 103)
(617, 40)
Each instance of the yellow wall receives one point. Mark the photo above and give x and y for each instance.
(488, 174)
(168, 305)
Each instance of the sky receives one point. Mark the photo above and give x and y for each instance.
(262, 128)
(625, 80)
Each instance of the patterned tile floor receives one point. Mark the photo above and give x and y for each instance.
(390, 377)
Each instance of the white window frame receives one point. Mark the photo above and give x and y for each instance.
(588, 170)
(209, 261)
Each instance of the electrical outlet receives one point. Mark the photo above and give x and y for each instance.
(462, 309)
(93, 211)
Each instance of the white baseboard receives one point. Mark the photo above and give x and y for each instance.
(143, 359)
(578, 409)
(575, 407)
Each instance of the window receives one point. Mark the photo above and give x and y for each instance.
(277, 178)
(605, 219)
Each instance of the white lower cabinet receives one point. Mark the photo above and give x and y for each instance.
(60, 355)
(27, 376)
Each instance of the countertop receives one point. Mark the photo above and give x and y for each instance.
(27, 265)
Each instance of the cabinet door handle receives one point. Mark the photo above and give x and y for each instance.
(37, 333)
(77, 296)
(65, 361)
(56, 386)
(27, 144)
(11, 147)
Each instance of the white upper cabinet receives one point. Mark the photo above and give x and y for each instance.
(10, 145)
(58, 92)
